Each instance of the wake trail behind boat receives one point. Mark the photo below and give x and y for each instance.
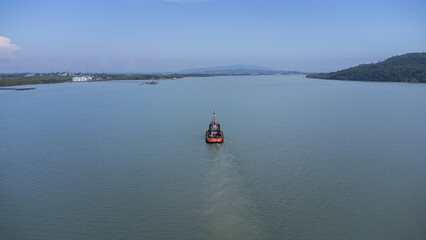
(229, 210)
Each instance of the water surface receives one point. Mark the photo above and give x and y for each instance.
(302, 159)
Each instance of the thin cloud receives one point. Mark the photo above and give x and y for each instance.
(6, 48)
(188, 1)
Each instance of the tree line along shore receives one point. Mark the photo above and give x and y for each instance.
(17, 79)
(410, 67)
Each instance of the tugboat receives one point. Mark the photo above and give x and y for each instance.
(152, 82)
(214, 134)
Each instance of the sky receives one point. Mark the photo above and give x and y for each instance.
(171, 35)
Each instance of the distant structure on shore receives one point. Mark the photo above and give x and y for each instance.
(81, 79)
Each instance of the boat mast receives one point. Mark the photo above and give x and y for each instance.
(214, 121)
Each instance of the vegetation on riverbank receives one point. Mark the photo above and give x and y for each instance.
(16, 79)
(410, 67)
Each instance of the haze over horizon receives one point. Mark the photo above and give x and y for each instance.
(173, 35)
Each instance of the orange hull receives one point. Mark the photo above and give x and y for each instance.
(214, 139)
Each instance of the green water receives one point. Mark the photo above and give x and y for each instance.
(302, 159)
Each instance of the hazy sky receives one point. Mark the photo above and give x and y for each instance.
(170, 35)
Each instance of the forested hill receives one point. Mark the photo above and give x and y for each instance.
(410, 67)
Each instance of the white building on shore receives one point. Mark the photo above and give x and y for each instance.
(81, 79)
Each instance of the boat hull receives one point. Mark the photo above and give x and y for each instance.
(214, 139)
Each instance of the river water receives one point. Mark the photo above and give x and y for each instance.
(301, 159)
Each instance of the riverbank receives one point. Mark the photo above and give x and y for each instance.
(17, 79)
(17, 89)
(410, 67)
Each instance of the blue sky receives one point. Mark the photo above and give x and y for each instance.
(170, 35)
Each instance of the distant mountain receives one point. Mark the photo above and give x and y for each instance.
(410, 67)
(237, 70)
